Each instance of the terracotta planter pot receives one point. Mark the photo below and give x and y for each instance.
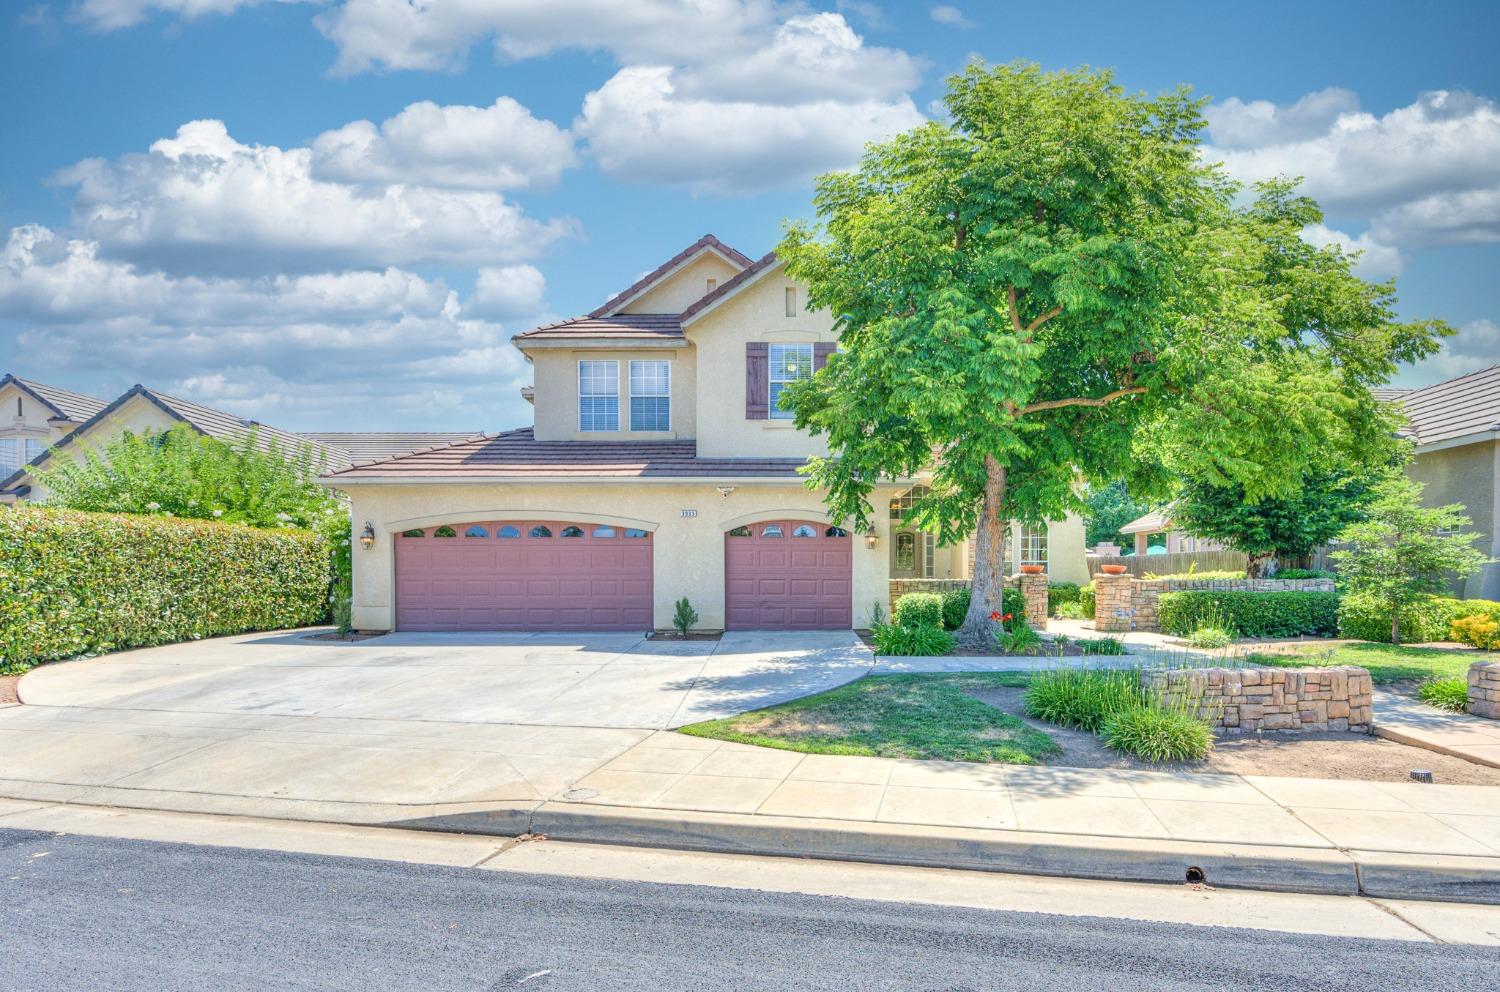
(1033, 569)
(1113, 569)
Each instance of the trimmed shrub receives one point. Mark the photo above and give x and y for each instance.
(73, 583)
(1081, 697)
(1430, 618)
(1305, 573)
(1446, 694)
(1251, 614)
(1059, 593)
(1158, 733)
(1477, 631)
(922, 639)
(1086, 599)
(919, 609)
(955, 607)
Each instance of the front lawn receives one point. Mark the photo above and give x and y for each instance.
(1385, 662)
(894, 716)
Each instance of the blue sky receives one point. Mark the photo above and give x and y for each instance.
(334, 214)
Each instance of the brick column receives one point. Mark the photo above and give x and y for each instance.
(1034, 591)
(1114, 608)
(1484, 689)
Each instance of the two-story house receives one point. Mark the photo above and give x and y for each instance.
(33, 417)
(659, 467)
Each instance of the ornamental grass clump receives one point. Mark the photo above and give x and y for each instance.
(1450, 694)
(921, 640)
(1082, 698)
(1159, 733)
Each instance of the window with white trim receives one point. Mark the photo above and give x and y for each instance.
(651, 395)
(1033, 545)
(10, 455)
(789, 363)
(34, 448)
(599, 395)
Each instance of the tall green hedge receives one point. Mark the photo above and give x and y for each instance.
(1251, 614)
(73, 582)
(1429, 618)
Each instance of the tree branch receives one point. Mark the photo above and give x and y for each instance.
(1015, 313)
(1082, 400)
(1043, 319)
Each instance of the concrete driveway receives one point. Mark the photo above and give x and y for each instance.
(393, 729)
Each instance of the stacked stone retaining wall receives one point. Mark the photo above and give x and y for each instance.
(1484, 689)
(1123, 603)
(1248, 700)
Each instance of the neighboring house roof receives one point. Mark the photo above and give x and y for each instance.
(632, 326)
(66, 404)
(1457, 408)
(1386, 394)
(1156, 520)
(376, 445)
(706, 243)
(518, 455)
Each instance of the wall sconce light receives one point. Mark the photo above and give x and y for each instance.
(367, 536)
(871, 541)
(724, 491)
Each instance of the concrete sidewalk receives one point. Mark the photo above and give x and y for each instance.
(1411, 721)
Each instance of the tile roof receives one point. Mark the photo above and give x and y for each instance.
(1385, 394)
(729, 286)
(1156, 520)
(705, 242)
(1468, 404)
(364, 446)
(518, 455)
(632, 326)
(63, 402)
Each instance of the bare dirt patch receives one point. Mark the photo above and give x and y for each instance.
(1332, 755)
(8, 689)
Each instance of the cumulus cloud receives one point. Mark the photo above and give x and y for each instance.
(1426, 173)
(953, 17)
(1475, 346)
(501, 146)
(507, 291)
(639, 127)
(202, 201)
(1377, 261)
(111, 15)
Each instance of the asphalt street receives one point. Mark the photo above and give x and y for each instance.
(91, 913)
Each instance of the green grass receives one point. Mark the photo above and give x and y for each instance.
(1386, 662)
(1446, 694)
(894, 716)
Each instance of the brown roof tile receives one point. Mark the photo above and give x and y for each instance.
(1468, 404)
(518, 455)
(707, 241)
(625, 325)
(365, 446)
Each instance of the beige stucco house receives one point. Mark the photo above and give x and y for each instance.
(659, 467)
(33, 417)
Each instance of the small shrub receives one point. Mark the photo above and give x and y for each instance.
(343, 613)
(685, 616)
(1060, 594)
(1071, 611)
(925, 639)
(1158, 733)
(1446, 694)
(1102, 645)
(1477, 631)
(955, 607)
(1251, 614)
(1210, 639)
(877, 614)
(919, 609)
(1086, 599)
(1083, 698)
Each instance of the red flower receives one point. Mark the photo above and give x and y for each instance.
(995, 615)
(1008, 617)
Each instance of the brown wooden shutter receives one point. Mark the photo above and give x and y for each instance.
(757, 380)
(821, 351)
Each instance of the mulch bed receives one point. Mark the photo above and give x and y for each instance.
(672, 635)
(8, 689)
(993, 650)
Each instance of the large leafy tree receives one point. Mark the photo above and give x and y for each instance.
(1405, 550)
(1106, 509)
(1022, 287)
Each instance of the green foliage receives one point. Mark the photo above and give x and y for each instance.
(1220, 574)
(955, 606)
(1159, 733)
(1102, 645)
(1250, 614)
(1071, 611)
(1059, 593)
(1326, 501)
(1210, 638)
(1053, 268)
(1446, 694)
(1082, 697)
(1106, 509)
(920, 639)
(1477, 630)
(918, 609)
(1305, 573)
(76, 583)
(1404, 550)
(1425, 618)
(1017, 638)
(1086, 598)
(877, 613)
(685, 616)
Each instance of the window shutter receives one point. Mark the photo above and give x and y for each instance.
(757, 380)
(821, 351)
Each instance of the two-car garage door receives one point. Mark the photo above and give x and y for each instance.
(523, 575)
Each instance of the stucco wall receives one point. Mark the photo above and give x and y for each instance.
(688, 553)
(135, 415)
(684, 287)
(757, 313)
(555, 373)
(1467, 474)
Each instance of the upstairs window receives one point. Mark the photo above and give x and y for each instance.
(10, 455)
(650, 396)
(34, 448)
(788, 363)
(599, 396)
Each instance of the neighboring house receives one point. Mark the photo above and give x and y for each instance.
(658, 467)
(1155, 530)
(33, 417)
(1455, 426)
(140, 409)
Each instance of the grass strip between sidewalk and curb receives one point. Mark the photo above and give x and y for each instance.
(893, 716)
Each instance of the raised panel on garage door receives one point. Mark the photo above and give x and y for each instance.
(523, 575)
(788, 575)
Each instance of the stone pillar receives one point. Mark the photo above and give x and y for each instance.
(1484, 689)
(1114, 608)
(1034, 591)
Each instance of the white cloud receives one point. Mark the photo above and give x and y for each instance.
(509, 291)
(203, 202)
(111, 15)
(639, 127)
(1475, 346)
(1426, 173)
(501, 146)
(1377, 261)
(953, 17)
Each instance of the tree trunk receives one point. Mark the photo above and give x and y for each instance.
(1257, 565)
(987, 584)
(1395, 623)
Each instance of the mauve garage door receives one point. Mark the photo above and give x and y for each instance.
(788, 575)
(523, 575)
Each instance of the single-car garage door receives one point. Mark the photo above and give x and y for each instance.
(523, 575)
(788, 575)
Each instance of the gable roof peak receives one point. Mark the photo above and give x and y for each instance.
(706, 243)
